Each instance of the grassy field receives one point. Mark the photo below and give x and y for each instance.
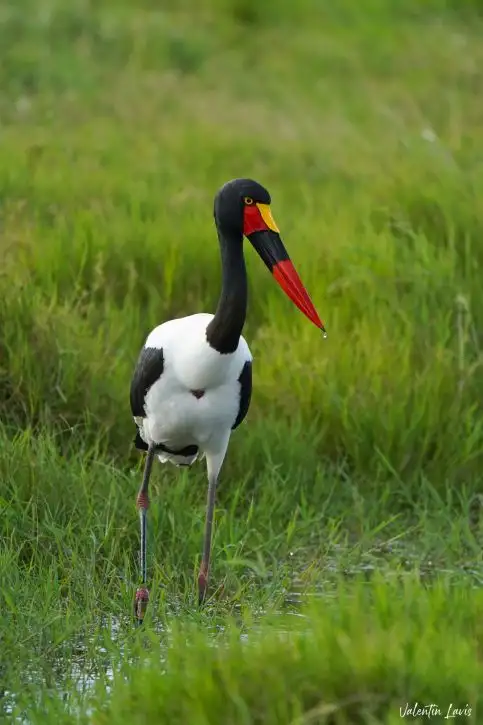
(348, 534)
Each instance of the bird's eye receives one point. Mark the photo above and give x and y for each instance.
(248, 200)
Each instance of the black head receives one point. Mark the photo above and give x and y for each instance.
(231, 200)
(242, 208)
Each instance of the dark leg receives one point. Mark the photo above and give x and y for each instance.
(205, 561)
(142, 502)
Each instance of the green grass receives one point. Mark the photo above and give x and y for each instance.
(347, 550)
(359, 657)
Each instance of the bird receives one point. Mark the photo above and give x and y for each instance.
(192, 382)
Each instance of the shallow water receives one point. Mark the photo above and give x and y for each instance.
(89, 660)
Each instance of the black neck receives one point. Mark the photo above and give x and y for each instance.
(223, 332)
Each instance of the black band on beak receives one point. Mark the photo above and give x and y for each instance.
(269, 247)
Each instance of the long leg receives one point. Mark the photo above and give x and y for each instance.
(142, 502)
(214, 461)
(205, 560)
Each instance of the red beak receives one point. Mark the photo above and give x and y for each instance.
(286, 275)
(262, 232)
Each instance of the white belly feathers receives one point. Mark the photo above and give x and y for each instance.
(174, 416)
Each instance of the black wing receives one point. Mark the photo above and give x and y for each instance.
(245, 381)
(149, 368)
(187, 451)
(139, 443)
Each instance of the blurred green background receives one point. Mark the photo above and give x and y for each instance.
(119, 121)
(119, 125)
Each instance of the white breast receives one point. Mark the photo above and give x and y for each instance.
(173, 415)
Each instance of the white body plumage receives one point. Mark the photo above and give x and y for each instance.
(174, 416)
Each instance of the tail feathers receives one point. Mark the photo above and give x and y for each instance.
(177, 459)
(184, 457)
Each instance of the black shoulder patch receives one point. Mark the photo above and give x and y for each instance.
(245, 381)
(149, 368)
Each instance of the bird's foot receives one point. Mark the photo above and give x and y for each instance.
(202, 585)
(140, 604)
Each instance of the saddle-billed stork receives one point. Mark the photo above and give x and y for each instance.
(192, 382)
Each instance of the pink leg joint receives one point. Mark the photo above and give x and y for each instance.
(141, 602)
(142, 501)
